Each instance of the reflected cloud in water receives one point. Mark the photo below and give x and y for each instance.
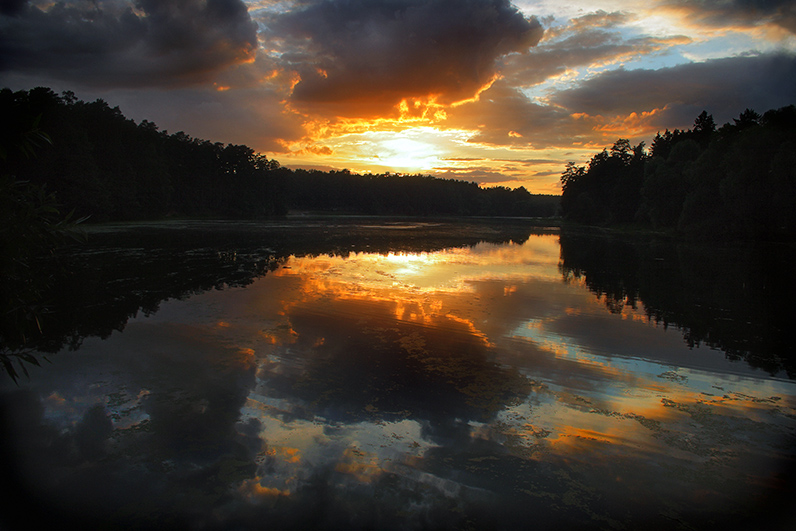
(462, 387)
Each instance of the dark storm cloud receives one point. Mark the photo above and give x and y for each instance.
(723, 87)
(356, 50)
(723, 13)
(124, 43)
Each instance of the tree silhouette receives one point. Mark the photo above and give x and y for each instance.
(733, 182)
(608, 190)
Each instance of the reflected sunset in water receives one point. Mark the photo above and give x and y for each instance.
(396, 363)
(404, 389)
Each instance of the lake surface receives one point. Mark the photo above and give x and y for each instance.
(348, 373)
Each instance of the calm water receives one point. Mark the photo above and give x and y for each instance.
(394, 375)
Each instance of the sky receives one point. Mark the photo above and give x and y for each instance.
(497, 92)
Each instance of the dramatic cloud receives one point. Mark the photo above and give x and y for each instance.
(629, 103)
(122, 43)
(375, 54)
(507, 116)
(723, 87)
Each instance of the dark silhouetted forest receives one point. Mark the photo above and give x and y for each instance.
(410, 195)
(102, 165)
(734, 181)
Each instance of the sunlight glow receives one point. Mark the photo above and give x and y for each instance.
(380, 148)
(406, 153)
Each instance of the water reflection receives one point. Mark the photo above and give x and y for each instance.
(448, 388)
(732, 297)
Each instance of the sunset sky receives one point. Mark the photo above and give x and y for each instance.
(498, 92)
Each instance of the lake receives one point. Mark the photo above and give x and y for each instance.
(364, 373)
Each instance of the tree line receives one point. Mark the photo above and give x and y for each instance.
(102, 165)
(408, 195)
(99, 163)
(734, 181)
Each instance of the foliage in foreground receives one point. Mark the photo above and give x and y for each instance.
(32, 229)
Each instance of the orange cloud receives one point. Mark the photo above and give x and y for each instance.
(632, 125)
(291, 455)
(252, 488)
(363, 58)
(364, 467)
